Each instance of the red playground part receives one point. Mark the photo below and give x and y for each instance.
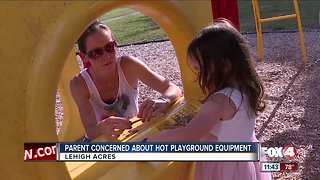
(226, 9)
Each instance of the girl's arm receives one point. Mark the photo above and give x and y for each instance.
(208, 116)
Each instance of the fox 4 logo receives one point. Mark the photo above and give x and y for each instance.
(289, 151)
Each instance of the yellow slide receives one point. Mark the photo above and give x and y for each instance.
(36, 58)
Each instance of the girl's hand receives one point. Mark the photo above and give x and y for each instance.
(153, 108)
(113, 126)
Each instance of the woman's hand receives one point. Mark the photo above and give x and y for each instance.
(153, 108)
(113, 126)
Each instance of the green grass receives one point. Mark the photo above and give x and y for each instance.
(139, 28)
(134, 29)
(116, 13)
(309, 12)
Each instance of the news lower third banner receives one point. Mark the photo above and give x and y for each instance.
(144, 152)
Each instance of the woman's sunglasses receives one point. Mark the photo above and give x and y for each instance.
(98, 52)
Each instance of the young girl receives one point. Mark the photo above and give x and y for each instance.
(220, 56)
(106, 92)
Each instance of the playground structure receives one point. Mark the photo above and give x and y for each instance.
(38, 58)
(260, 20)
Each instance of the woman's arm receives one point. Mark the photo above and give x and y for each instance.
(80, 94)
(170, 92)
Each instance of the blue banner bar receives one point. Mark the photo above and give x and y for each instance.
(139, 147)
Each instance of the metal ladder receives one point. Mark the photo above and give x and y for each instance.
(259, 22)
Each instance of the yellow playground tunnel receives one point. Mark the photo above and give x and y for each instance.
(37, 58)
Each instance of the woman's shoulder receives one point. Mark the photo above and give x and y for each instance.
(76, 80)
(131, 64)
(128, 60)
(78, 84)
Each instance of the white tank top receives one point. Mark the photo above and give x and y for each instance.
(241, 127)
(126, 103)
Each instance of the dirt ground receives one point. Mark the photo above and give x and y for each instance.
(292, 93)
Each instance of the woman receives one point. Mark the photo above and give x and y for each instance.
(106, 92)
